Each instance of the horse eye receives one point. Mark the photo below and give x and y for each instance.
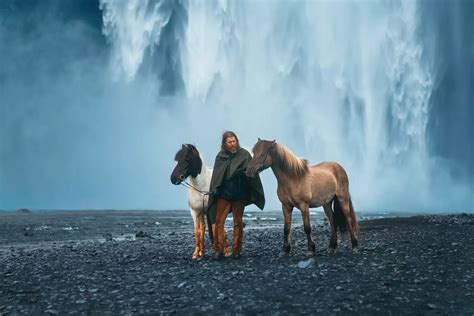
(188, 158)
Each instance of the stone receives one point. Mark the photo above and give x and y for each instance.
(305, 263)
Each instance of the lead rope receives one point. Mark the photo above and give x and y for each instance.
(189, 185)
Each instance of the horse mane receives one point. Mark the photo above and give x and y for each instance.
(288, 162)
(196, 164)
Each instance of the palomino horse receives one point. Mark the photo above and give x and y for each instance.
(304, 187)
(190, 165)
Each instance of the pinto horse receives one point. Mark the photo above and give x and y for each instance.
(303, 187)
(190, 165)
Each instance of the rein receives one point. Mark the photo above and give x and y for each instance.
(190, 186)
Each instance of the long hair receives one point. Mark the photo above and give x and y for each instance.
(226, 135)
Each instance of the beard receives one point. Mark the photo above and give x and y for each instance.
(232, 149)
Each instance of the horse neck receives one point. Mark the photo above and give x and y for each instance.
(280, 175)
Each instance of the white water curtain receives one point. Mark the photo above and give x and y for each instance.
(342, 80)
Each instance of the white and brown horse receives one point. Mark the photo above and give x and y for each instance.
(190, 165)
(303, 187)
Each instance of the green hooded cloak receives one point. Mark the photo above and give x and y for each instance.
(225, 166)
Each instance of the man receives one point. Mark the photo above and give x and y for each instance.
(231, 192)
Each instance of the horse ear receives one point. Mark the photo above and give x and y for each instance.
(273, 144)
(259, 139)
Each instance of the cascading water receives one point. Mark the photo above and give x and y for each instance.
(98, 95)
(332, 81)
(133, 26)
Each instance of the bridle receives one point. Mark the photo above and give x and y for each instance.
(265, 158)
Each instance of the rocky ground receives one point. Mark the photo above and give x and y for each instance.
(110, 262)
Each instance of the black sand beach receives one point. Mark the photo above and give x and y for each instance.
(139, 262)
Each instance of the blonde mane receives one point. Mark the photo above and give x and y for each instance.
(289, 162)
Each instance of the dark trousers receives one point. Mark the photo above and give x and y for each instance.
(223, 208)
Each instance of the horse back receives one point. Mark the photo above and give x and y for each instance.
(336, 170)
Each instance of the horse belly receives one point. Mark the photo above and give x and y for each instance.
(322, 197)
(294, 197)
(321, 200)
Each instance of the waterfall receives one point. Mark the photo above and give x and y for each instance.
(133, 27)
(333, 81)
(97, 96)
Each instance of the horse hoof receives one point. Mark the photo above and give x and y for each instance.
(286, 248)
(332, 251)
(236, 256)
(227, 253)
(310, 253)
(196, 254)
(218, 256)
(283, 254)
(355, 251)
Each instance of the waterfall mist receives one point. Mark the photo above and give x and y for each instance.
(99, 95)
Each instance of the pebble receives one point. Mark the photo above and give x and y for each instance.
(305, 263)
(149, 276)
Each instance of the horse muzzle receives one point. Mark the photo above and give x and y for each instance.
(177, 180)
(251, 172)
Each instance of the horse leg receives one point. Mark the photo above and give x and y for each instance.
(227, 250)
(346, 210)
(304, 208)
(330, 215)
(196, 233)
(202, 231)
(287, 212)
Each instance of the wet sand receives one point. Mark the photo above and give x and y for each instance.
(139, 262)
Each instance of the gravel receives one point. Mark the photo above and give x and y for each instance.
(110, 262)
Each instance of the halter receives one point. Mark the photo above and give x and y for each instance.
(265, 158)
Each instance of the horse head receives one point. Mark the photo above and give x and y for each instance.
(189, 163)
(262, 156)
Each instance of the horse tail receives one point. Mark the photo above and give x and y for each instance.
(355, 223)
(209, 228)
(339, 218)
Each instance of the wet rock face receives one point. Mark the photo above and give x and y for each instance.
(405, 265)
